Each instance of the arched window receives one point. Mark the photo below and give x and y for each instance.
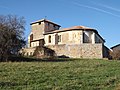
(49, 39)
(31, 37)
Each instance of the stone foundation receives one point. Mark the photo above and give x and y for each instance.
(79, 50)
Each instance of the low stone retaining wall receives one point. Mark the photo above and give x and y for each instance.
(27, 51)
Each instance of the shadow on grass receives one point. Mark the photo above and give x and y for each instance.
(32, 59)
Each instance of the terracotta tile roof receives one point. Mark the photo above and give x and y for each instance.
(73, 28)
(77, 27)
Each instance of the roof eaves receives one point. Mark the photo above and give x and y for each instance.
(62, 30)
(115, 46)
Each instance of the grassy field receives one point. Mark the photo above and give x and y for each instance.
(71, 74)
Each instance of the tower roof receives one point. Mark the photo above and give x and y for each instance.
(44, 20)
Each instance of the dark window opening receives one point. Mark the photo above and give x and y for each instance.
(49, 39)
(39, 23)
(86, 38)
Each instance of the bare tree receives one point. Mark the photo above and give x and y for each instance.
(11, 35)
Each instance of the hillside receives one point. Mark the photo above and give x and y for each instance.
(71, 74)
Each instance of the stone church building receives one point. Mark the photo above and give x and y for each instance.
(73, 42)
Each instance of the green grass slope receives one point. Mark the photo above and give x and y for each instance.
(74, 74)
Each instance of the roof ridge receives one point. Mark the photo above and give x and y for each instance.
(44, 20)
(77, 27)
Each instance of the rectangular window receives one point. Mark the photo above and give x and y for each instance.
(49, 39)
(59, 38)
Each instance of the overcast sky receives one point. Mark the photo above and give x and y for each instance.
(103, 15)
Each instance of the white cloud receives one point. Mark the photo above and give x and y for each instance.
(106, 6)
(95, 8)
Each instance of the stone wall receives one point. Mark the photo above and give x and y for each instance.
(79, 50)
(37, 30)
